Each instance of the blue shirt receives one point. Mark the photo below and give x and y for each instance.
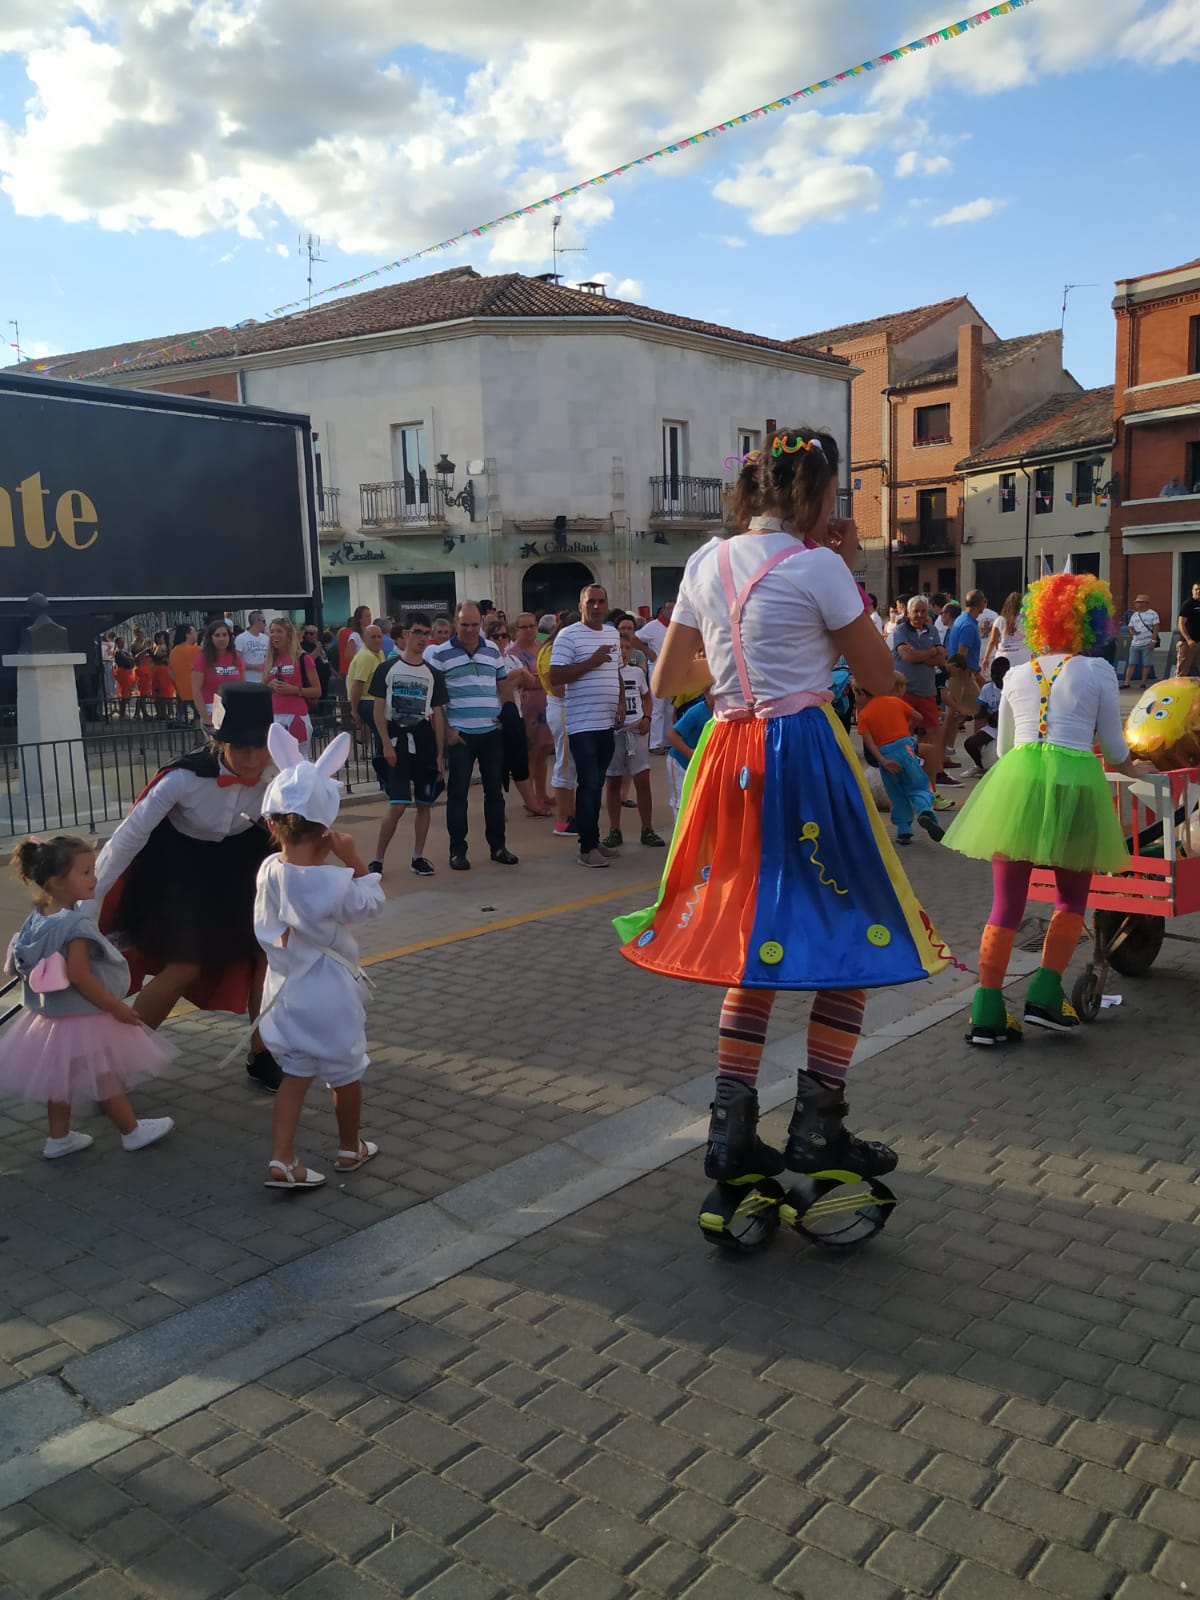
(964, 635)
(690, 726)
(474, 700)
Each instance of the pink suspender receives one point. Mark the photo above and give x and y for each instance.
(736, 600)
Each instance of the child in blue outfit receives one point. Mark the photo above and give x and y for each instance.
(886, 726)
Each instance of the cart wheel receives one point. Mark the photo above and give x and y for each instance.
(1131, 942)
(1085, 996)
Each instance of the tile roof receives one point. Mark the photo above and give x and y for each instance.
(1002, 353)
(442, 297)
(1060, 422)
(900, 324)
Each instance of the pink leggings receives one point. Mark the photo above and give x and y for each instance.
(1010, 891)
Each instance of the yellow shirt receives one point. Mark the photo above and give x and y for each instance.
(363, 668)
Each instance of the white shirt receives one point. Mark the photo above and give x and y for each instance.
(877, 622)
(312, 1006)
(1012, 644)
(986, 617)
(1143, 625)
(634, 686)
(253, 647)
(593, 699)
(1084, 707)
(653, 633)
(786, 621)
(941, 627)
(198, 807)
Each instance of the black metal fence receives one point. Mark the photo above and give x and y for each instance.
(78, 784)
(693, 499)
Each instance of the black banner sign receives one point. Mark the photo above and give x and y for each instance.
(109, 497)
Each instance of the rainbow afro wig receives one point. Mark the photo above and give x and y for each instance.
(1067, 614)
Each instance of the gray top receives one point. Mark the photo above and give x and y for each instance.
(44, 935)
(919, 676)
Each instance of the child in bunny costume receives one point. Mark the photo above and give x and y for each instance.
(312, 1017)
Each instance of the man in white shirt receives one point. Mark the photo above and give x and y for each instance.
(876, 619)
(585, 659)
(1144, 623)
(251, 646)
(652, 635)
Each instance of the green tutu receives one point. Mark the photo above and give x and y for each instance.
(1046, 804)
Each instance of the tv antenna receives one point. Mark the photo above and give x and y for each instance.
(557, 249)
(1067, 287)
(312, 247)
(16, 328)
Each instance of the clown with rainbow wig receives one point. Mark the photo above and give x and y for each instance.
(1046, 802)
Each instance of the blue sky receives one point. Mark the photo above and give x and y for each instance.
(159, 159)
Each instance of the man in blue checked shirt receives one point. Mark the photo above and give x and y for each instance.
(476, 682)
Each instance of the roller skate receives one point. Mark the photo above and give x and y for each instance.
(991, 1022)
(741, 1212)
(1046, 1006)
(837, 1201)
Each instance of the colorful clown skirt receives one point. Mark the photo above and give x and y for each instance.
(780, 874)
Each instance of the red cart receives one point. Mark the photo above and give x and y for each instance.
(1160, 815)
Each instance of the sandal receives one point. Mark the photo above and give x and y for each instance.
(542, 811)
(351, 1160)
(288, 1178)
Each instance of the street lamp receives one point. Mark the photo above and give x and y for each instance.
(1096, 463)
(445, 470)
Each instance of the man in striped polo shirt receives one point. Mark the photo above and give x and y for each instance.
(476, 682)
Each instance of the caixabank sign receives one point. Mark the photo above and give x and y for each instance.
(125, 497)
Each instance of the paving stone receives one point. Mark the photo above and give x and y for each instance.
(815, 1573)
(915, 1567)
(603, 1534)
(17, 1519)
(668, 1571)
(349, 1526)
(1171, 1513)
(174, 1488)
(82, 1502)
(534, 1499)
(317, 1441)
(718, 1476)
(434, 1507)
(43, 1560)
(461, 1582)
(239, 1531)
(501, 1425)
(517, 1553)
(1118, 1492)
(1039, 1463)
(182, 1569)
(289, 1565)
(969, 1581)
(844, 1533)
(584, 1578)
(753, 1548)
(901, 1505)
(975, 1534)
(649, 1446)
(402, 1564)
(692, 1518)
(627, 1487)
(280, 1482)
(952, 1478)
(781, 1504)
(1075, 1576)
(1050, 1515)
(130, 1536)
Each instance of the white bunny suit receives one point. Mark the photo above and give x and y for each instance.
(312, 1018)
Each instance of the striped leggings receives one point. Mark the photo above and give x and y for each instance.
(833, 1029)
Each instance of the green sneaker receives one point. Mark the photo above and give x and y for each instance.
(990, 1021)
(1046, 1006)
(614, 840)
(649, 837)
(940, 803)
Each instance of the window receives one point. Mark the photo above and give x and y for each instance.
(674, 463)
(1043, 490)
(947, 580)
(408, 471)
(1085, 483)
(1085, 563)
(748, 439)
(1008, 491)
(1194, 344)
(931, 424)
(1191, 476)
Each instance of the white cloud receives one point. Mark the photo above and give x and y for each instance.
(282, 250)
(223, 261)
(912, 163)
(731, 241)
(970, 211)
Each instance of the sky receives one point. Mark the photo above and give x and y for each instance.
(161, 161)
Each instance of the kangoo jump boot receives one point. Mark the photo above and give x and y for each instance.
(1046, 1006)
(817, 1138)
(735, 1153)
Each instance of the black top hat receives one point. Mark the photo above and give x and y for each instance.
(242, 714)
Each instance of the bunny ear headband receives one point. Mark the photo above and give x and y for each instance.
(304, 788)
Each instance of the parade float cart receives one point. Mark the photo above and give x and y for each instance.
(1160, 815)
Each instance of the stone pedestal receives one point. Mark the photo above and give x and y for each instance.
(49, 788)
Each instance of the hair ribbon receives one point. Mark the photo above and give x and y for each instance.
(782, 447)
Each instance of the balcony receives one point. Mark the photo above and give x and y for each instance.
(1162, 515)
(329, 519)
(401, 505)
(930, 536)
(678, 499)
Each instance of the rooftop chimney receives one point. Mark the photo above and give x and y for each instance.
(593, 286)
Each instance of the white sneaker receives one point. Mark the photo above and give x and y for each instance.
(67, 1145)
(148, 1131)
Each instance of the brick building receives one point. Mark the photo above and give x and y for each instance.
(939, 414)
(886, 349)
(1155, 546)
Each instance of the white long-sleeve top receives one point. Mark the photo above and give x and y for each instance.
(312, 1011)
(1084, 707)
(198, 807)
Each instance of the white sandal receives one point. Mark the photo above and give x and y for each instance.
(351, 1160)
(289, 1180)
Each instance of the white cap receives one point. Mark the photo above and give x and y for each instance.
(304, 788)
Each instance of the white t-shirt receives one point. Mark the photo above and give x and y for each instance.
(877, 622)
(1084, 707)
(941, 627)
(653, 633)
(591, 701)
(253, 647)
(986, 617)
(1143, 626)
(786, 621)
(989, 699)
(634, 685)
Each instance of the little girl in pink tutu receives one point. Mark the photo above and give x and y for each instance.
(77, 1041)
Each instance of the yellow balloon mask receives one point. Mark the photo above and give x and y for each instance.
(1164, 726)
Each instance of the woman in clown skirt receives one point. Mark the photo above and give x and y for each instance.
(780, 874)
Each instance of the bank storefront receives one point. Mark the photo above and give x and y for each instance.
(531, 567)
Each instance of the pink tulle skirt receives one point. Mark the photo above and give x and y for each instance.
(77, 1059)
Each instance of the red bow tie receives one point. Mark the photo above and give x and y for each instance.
(226, 780)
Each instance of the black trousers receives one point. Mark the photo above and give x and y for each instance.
(488, 750)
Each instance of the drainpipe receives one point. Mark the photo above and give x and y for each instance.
(1028, 510)
(885, 496)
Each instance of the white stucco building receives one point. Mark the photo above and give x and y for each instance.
(1037, 493)
(591, 438)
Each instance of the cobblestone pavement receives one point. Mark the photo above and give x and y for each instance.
(998, 1397)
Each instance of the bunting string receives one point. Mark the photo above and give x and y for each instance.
(953, 30)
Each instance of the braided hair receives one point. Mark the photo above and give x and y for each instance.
(789, 476)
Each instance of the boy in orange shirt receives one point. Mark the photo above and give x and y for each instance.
(885, 725)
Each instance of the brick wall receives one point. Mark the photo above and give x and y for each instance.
(1152, 575)
(220, 386)
(866, 429)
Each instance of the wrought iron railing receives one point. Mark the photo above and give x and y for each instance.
(929, 533)
(328, 515)
(402, 504)
(674, 498)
